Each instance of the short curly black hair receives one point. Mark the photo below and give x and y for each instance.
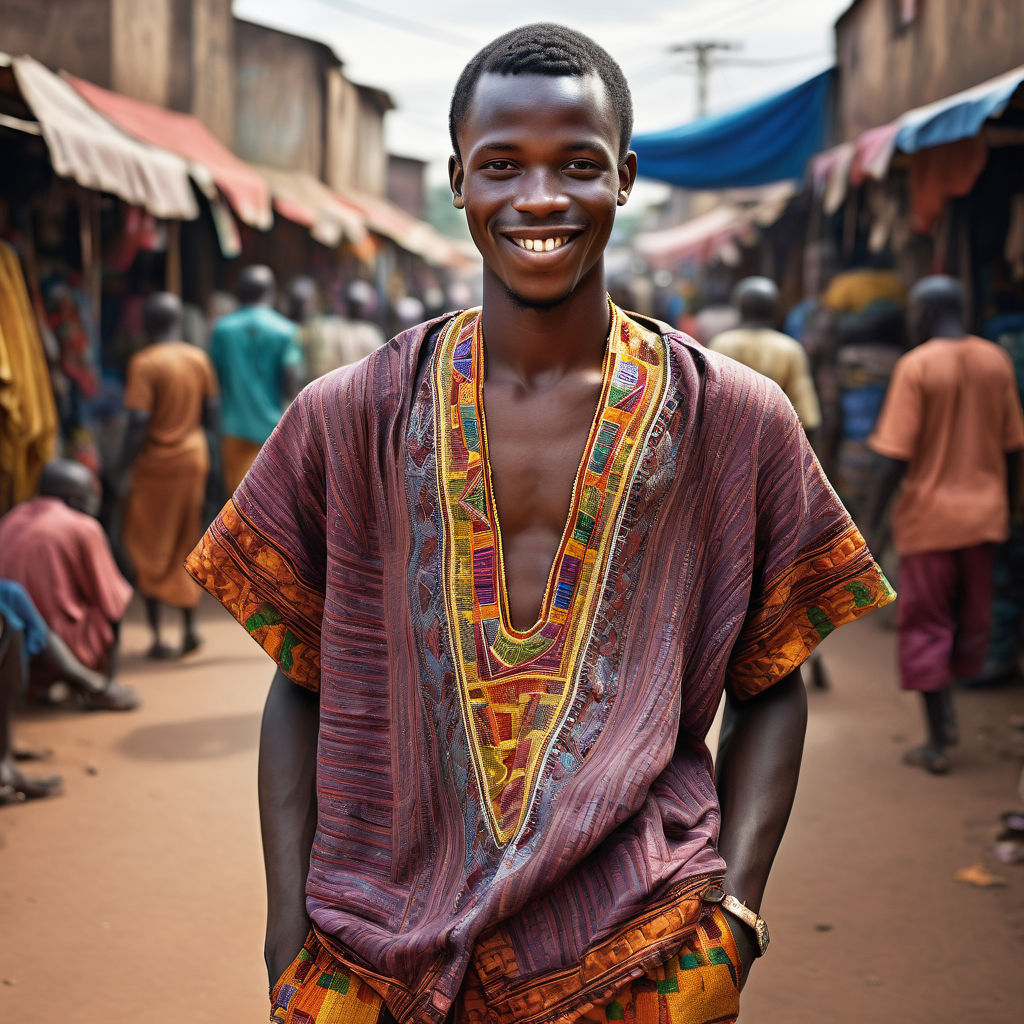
(543, 49)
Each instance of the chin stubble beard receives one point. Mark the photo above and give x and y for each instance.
(521, 302)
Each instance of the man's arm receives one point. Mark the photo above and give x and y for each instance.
(134, 438)
(1013, 468)
(890, 475)
(288, 814)
(756, 773)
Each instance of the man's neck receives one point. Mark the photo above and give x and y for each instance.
(949, 327)
(529, 343)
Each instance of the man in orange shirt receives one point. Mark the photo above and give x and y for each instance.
(951, 431)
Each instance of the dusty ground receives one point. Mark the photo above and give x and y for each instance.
(137, 897)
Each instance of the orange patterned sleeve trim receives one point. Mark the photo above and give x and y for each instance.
(257, 583)
(826, 588)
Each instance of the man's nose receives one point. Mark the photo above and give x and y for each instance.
(540, 194)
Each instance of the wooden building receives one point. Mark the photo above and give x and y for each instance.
(895, 55)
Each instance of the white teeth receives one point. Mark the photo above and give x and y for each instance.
(541, 244)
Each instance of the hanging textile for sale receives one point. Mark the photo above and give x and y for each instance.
(941, 173)
(28, 414)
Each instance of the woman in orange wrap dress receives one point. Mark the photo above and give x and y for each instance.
(171, 394)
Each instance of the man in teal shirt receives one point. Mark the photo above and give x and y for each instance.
(258, 362)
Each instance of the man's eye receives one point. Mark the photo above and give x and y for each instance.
(498, 165)
(582, 165)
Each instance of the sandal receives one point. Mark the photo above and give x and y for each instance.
(114, 698)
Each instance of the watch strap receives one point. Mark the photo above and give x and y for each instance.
(739, 910)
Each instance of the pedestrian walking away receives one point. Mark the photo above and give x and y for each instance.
(950, 434)
(259, 366)
(507, 566)
(171, 396)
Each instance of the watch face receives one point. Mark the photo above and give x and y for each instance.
(761, 931)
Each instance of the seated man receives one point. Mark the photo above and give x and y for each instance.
(54, 547)
(26, 643)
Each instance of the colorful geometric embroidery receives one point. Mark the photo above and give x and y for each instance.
(788, 626)
(288, 630)
(516, 686)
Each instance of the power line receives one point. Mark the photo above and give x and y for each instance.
(764, 62)
(748, 10)
(400, 22)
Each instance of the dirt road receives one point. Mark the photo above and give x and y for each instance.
(137, 897)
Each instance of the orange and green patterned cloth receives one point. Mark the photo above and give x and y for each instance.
(532, 809)
(699, 984)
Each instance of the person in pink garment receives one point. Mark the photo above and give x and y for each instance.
(55, 548)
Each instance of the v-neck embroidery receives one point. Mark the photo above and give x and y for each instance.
(516, 686)
(500, 575)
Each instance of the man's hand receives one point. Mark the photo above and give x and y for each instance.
(283, 945)
(746, 946)
(288, 814)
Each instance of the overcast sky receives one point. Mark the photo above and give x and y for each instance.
(415, 50)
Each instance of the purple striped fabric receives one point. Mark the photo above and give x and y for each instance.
(732, 560)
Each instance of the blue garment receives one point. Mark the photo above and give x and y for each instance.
(250, 349)
(797, 317)
(20, 615)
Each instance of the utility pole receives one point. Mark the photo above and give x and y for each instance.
(702, 51)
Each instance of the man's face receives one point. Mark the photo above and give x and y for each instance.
(540, 179)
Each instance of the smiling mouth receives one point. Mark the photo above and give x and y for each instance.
(542, 244)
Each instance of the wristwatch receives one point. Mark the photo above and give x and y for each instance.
(756, 923)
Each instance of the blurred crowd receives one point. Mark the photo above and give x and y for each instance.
(89, 533)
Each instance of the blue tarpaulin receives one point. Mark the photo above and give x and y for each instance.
(768, 141)
(957, 117)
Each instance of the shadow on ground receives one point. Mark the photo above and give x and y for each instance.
(193, 740)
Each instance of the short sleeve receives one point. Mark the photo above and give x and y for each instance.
(812, 571)
(138, 387)
(899, 423)
(264, 555)
(1013, 419)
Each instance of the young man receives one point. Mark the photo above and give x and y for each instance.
(951, 431)
(511, 560)
(171, 396)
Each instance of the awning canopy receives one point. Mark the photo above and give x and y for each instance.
(416, 236)
(960, 116)
(953, 119)
(86, 147)
(308, 201)
(244, 189)
(768, 141)
(717, 232)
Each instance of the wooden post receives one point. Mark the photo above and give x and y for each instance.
(172, 275)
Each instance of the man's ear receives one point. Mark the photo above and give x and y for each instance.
(456, 177)
(627, 175)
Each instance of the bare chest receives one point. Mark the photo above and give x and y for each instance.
(535, 445)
